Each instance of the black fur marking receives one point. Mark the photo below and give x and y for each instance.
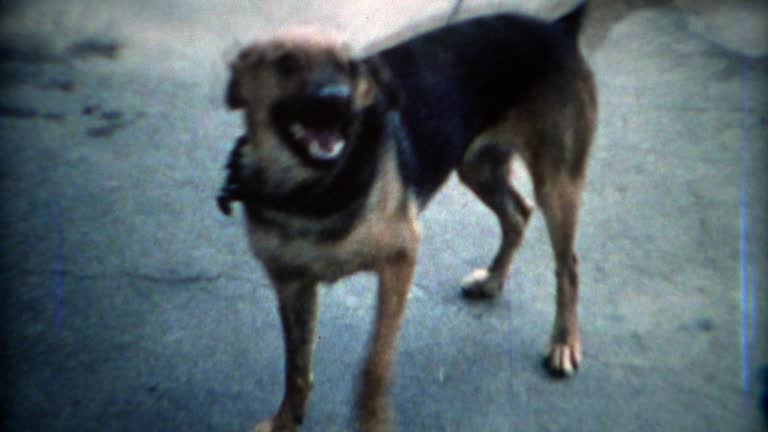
(389, 92)
(460, 79)
(407, 163)
(287, 64)
(233, 97)
(286, 273)
(335, 230)
(233, 188)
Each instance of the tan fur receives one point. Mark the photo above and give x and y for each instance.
(385, 240)
(552, 135)
(389, 228)
(553, 139)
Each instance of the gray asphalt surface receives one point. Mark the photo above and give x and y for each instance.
(131, 304)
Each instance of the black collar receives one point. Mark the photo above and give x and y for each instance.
(346, 184)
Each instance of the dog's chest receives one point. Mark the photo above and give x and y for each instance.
(366, 245)
(387, 226)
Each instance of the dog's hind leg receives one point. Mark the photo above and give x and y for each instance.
(298, 313)
(486, 171)
(558, 172)
(558, 196)
(558, 169)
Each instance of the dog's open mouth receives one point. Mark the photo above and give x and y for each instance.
(321, 143)
(315, 125)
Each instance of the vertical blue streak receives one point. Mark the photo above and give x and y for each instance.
(744, 245)
(57, 266)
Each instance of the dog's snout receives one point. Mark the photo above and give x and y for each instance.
(326, 98)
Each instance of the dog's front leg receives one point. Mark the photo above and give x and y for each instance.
(298, 312)
(395, 277)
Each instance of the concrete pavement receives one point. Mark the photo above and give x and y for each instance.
(131, 304)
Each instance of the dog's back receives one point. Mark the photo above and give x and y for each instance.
(461, 79)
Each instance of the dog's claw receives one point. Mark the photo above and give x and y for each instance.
(563, 360)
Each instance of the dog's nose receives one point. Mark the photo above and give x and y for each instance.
(334, 91)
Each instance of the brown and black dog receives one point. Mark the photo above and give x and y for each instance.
(341, 154)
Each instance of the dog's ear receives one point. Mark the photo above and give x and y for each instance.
(234, 96)
(374, 81)
(247, 58)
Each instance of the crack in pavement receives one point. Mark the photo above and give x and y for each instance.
(181, 279)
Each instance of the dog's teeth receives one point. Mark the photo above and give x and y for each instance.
(337, 148)
(316, 150)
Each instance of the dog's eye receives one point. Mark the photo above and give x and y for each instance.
(287, 64)
(340, 65)
(354, 69)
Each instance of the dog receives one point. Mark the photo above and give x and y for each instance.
(341, 154)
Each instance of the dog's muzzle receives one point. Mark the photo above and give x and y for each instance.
(315, 123)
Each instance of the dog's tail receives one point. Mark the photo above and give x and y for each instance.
(571, 22)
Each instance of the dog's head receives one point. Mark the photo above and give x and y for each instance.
(307, 90)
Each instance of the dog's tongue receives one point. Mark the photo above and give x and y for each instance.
(327, 139)
(324, 143)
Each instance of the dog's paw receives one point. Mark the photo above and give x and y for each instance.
(563, 359)
(481, 285)
(270, 425)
